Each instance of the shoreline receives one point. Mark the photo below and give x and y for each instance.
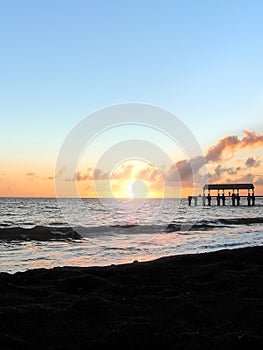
(208, 300)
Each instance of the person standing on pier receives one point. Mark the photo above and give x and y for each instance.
(253, 198)
(233, 199)
(218, 199)
(209, 199)
(248, 199)
(223, 199)
(238, 199)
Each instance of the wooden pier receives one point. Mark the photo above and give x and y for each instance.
(226, 193)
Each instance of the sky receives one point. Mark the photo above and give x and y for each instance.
(63, 60)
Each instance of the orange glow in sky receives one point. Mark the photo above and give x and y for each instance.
(228, 162)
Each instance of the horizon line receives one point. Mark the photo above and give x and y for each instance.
(126, 198)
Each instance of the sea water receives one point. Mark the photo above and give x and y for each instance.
(117, 231)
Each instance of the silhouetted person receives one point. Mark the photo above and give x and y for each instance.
(233, 199)
(223, 199)
(238, 199)
(195, 199)
(229, 194)
(218, 199)
(253, 198)
(204, 200)
(189, 200)
(248, 199)
(209, 199)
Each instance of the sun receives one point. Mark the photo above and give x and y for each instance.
(137, 189)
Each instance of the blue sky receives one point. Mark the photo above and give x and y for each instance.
(62, 60)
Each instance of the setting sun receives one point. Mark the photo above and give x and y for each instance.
(138, 189)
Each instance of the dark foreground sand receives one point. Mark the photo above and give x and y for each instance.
(207, 301)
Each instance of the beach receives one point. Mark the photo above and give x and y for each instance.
(197, 301)
(46, 233)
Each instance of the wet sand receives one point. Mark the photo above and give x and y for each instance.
(205, 301)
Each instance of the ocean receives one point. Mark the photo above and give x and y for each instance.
(114, 231)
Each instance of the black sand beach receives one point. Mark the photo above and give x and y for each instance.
(205, 301)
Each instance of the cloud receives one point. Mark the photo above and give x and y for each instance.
(259, 181)
(252, 163)
(149, 174)
(83, 177)
(61, 172)
(79, 176)
(185, 171)
(215, 152)
(220, 171)
(99, 174)
(31, 174)
(90, 174)
(123, 173)
(49, 178)
(251, 138)
(248, 178)
(226, 147)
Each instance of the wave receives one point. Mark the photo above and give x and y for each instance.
(204, 225)
(39, 233)
(125, 226)
(241, 221)
(47, 233)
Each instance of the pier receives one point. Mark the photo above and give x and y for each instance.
(221, 194)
